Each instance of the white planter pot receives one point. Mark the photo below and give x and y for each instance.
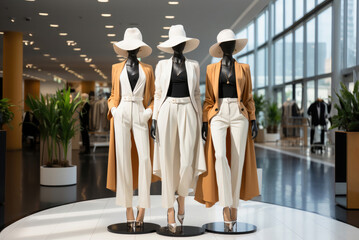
(272, 137)
(62, 176)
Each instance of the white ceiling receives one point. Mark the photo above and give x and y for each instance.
(82, 21)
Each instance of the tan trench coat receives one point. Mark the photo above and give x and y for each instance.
(113, 101)
(207, 191)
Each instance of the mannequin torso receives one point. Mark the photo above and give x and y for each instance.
(132, 67)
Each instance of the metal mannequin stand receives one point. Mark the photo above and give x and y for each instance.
(238, 228)
(181, 231)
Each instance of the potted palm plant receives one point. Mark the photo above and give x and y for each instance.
(259, 104)
(346, 146)
(6, 116)
(273, 117)
(56, 126)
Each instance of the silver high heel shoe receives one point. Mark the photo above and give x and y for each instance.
(171, 226)
(180, 217)
(228, 225)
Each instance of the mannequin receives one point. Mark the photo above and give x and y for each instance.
(229, 120)
(130, 105)
(178, 157)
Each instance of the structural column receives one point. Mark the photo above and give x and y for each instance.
(12, 85)
(87, 86)
(32, 88)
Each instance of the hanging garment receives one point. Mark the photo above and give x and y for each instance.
(178, 119)
(207, 190)
(114, 101)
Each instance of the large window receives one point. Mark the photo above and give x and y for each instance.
(324, 88)
(310, 47)
(310, 92)
(298, 94)
(261, 68)
(288, 13)
(310, 5)
(299, 51)
(250, 36)
(351, 32)
(299, 7)
(278, 26)
(288, 46)
(262, 33)
(324, 50)
(278, 62)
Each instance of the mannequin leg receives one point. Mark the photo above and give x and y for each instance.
(219, 125)
(239, 130)
(140, 134)
(124, 186)
(187, 130)
(167, 129)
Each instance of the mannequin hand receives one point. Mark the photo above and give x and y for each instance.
(153, 129)
(113, 109)
(204, 131)
(254, 129)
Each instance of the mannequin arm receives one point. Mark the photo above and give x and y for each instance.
(153, 129)
(204, 131)
(254, 129)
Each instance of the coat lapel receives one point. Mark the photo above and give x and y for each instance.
(217, 70)
(190, 80)
(141, 78)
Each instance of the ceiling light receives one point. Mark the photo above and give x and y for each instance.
(46, 55)
(102, 1)
(88, 60)
(43, 14)
(109, 26)
(71, 43)
(54, 25)
(77, 49)
(29, 0)
(173, 3)
(53, 59)
(83, 55)
(164, 36)
(63, 34)
(1, 33)
(106, 14)
(12, 19)
(166, 28)
(39, 70)
(161, 56)
(112, 42)
(93, 65)
(30, 34)
(111, 35)
(170, 17)
(36, 48)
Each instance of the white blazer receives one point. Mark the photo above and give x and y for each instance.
(162, 82)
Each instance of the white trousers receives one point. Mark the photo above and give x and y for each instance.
(130, 115)
(177, 126)
(229, 177)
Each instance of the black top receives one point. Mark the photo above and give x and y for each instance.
(317, 111)
(178, 85)
(227, 87)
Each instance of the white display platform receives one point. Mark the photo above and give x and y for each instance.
(89, 220)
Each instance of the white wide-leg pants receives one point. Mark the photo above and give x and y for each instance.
(130, 115)
(229, 177)
(177, 128)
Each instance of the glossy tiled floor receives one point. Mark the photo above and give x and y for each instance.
(89, 219)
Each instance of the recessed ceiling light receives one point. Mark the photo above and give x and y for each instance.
(29, 0)
(77, 49)
(43, 14)
(88, 60)
(111, 35)
(93, 65)
(170, 17)
(71, 43)
(12, 19)
(54, 25)
(173, 3)
(106, 14)
(53, 59)
(63, 34)
(164, 36)
(161, 56)
(36, 48)
(46, 55)
(1, 33)
(30, 34)
(109, 26)
(83, 55)
(102, 1)
(166, 28)
(39, 70)
(112, 42)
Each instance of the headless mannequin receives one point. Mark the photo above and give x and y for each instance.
(132, 67)
(227, 70)
(226, 76)
(178, 67)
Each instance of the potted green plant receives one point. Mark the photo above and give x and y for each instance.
(56, 126)
(346, 145)
(6, 116)
(272, 120)
(259, 102)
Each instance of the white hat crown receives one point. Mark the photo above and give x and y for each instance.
(225, 35)
(132, 34)
(177, 31)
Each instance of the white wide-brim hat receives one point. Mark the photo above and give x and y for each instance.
(227, 35)
(132, 40)
(177, 35)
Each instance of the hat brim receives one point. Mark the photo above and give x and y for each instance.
(191, 44)
(122, 48)
(216, 51)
